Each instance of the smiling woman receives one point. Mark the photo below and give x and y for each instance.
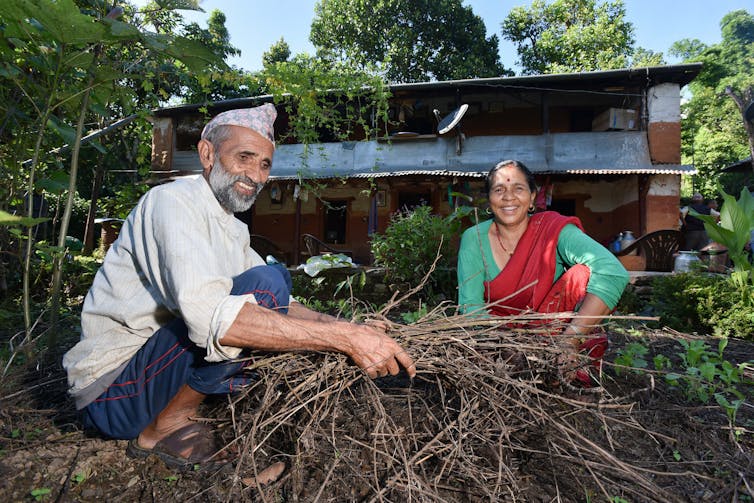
(516, 262)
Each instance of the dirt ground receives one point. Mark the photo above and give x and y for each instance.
(637, 440)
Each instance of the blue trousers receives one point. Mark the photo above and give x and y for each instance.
(170, 360)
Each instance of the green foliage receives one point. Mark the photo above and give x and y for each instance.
(41, 493)
(732, 313)
(706, 374)
(120, 204)
(327, 101)
(632, 356)
(79, 477)
(278, 52)
(733, 232)
(572, 36)
(702, 374)
(414, 316)
(713, 133)
(411, 243)
(710, 304)
(407, 40)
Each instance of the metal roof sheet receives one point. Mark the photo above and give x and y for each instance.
(597, 153)
(650, 75)
(591, 153)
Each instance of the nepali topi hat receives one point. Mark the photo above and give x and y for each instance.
(259, 119)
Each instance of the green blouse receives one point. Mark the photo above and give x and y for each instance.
(607, 280)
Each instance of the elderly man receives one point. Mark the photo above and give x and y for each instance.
(181, 294)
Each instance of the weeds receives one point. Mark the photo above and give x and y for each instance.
(703, 374)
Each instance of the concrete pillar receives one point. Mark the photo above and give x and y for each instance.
(664, 124)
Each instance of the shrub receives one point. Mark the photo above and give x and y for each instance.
(702, 303)
(410, 244)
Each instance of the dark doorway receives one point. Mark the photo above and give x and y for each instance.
(336, 213)
(407, 201)
(565, 207)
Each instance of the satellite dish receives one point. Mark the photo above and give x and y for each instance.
(452, 119)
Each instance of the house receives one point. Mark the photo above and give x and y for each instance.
(605, 144)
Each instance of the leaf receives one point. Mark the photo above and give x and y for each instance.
(61, 19)
(122, 30)
(707, 371)
(179, 5)
(66, 132)
(6, 219)
(98, 146)
(721, 346)
(673, 378)
(195, 55)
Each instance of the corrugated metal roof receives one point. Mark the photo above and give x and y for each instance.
(591, 153)
(651, 75)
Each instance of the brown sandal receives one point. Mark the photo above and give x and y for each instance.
(197, 436)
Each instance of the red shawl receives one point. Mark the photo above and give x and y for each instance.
(532, 262)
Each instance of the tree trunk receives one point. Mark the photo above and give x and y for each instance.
(743, 101)
(90, 217)
(57, 265)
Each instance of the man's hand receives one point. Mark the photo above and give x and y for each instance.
(368, 345)
(377, 353)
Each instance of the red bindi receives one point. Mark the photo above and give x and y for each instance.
(508, 180)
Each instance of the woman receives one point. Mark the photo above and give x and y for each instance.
(515, 262)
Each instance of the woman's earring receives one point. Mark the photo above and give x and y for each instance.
(488, 211)
(532, 208)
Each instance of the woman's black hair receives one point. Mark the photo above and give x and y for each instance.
(516, 164)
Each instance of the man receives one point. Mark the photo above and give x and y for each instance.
(713, 211)
(181, 294)
(693, 229)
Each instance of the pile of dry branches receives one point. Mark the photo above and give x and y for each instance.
(482, 421)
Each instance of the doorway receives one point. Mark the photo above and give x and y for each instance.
(335, 221)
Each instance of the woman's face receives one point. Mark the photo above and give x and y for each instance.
(510, 197)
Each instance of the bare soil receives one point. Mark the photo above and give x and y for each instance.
(453, 434)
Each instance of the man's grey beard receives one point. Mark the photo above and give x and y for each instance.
(221, 182)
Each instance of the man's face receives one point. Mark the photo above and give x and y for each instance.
(240, 168)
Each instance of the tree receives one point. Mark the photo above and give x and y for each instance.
(407, 40)
(325, 100)
(571, 36)
(645, 57)
(60, 62)
(279, 51)
(715, 134)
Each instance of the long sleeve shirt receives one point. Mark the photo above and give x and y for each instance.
(176, 256)
(476, 265)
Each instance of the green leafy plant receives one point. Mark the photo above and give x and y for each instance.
(410, 245)
(41, 493)
(63, 69)
(702, 303)
(631, 357)
(414, 316)
(661, 362)
(734, 232)
(706, 373)
(357, 280)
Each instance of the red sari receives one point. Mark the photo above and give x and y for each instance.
(526, 283)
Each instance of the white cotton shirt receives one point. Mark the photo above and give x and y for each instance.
(176, 255)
